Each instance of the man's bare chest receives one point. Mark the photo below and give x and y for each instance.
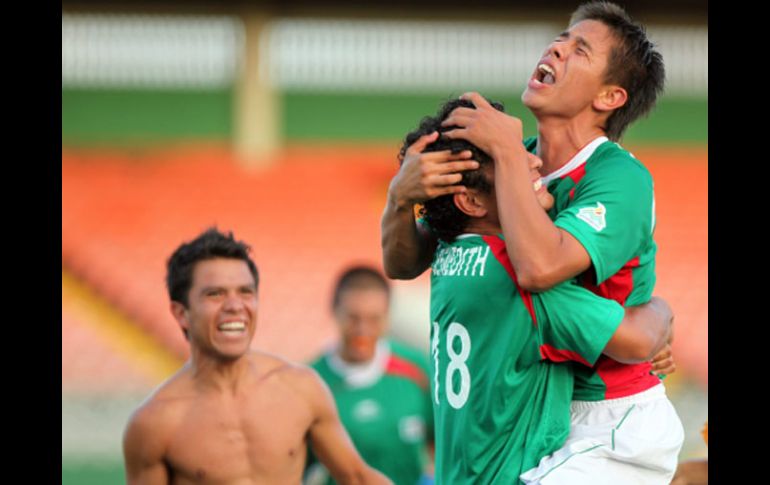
(223, 440)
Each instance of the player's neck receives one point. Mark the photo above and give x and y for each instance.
(219, 374)
(483, 226)
(558, 140)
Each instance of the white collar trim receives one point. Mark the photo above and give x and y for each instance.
(578, 160)
(365, 374)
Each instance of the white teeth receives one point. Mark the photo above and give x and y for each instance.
(233, 326)
(538, 184)
(545, 68)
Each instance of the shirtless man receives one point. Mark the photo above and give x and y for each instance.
(231, 415)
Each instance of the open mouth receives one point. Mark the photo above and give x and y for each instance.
(232, 328)
(545, 74)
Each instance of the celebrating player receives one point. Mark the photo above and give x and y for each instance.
(592, 81)
(380, 386)
(232, 415)
(500, 382)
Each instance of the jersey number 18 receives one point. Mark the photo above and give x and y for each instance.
(456, 364)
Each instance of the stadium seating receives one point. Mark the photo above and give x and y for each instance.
(312, 211)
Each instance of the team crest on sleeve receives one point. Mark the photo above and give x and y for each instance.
(594, 216)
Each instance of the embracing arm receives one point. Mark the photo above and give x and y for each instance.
(644, 331)
(407, 248)
(330, 442)
(144, 450)
(541, 253)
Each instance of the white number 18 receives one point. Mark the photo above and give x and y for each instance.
(456, 363)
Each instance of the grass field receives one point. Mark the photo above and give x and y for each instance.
(121, 117)
(89, 473)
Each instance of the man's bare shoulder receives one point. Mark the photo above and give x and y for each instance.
(151, 426)
(158, 410)
(298, 377)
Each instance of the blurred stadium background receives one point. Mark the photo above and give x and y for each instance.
(281, 122)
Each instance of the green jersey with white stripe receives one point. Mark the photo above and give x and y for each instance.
(501, 402)
(385, 407)
(604, 198)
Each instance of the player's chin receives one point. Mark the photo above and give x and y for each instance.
(361, 353)
(528, 98)
(232, 351)
(546, 200)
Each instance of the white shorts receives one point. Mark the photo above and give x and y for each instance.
(625, 441)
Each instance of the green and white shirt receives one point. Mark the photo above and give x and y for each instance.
(500, 400)
(604, 197)
(385, 407)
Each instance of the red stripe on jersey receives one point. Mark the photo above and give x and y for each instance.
(617, 287)
(623, 380)
(553, 354)
(576, 175)
(400, 367)
(501, 254)
(619, 379)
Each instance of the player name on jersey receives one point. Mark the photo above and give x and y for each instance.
(459, 261)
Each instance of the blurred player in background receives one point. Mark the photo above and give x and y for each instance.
(380, 385)
(501, 378)
(595, 78)
(232, 415)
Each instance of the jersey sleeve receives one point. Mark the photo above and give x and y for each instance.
(611, 213)
(575, 324)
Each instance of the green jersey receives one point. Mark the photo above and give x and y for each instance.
(604, 197)
(500, 400)
(385, 407)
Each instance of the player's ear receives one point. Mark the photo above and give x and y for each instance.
(180, 314)
(610, 98)
(470, 203)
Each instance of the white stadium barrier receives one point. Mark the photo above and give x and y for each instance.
(189, 51)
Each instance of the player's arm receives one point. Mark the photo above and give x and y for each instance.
(144, 450)
(578, 325)
(407, 248)
(541, 253)
(644, 331)
(329, 440)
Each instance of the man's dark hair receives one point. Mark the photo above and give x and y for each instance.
(441, 213)
(633, 64)
(359, 278)
(210, 244)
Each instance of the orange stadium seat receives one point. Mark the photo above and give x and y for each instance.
(306, 215)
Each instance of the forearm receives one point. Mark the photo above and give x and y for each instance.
(645, 330)
(406, 251)
(366, 475)
(535, 245)
(374, 477)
